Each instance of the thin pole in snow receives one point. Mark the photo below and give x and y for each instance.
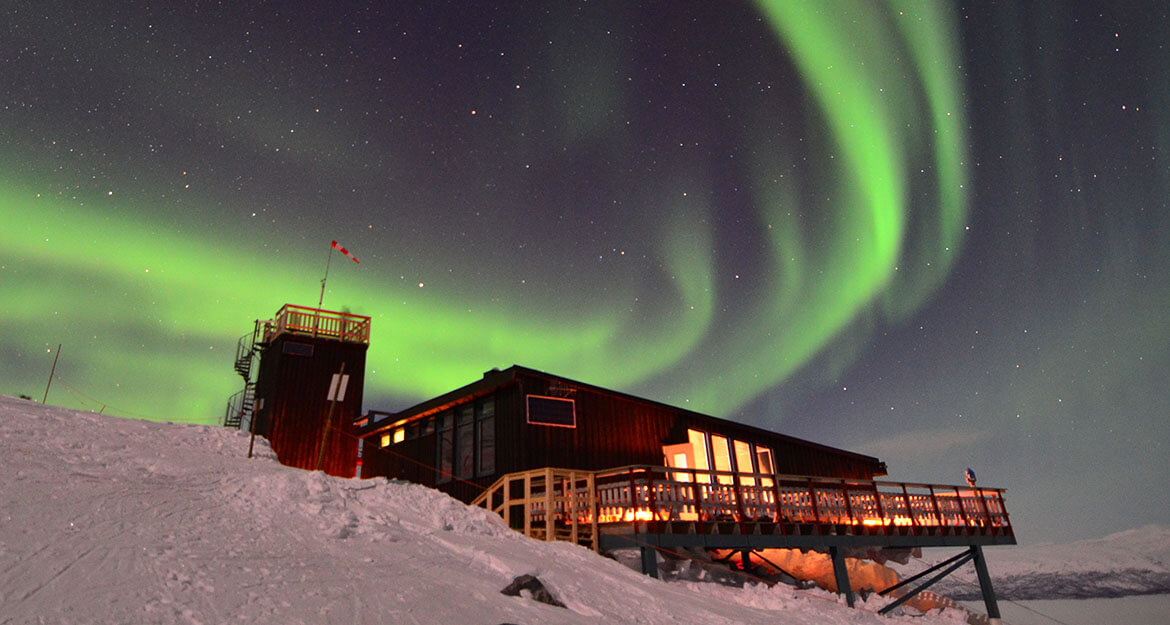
(51, 372)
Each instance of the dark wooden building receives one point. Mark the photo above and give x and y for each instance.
(520, 419)
(311, 369)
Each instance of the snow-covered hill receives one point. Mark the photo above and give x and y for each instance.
(1133, 562)
(106, 520)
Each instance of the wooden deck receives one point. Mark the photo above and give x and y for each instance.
(667, 507)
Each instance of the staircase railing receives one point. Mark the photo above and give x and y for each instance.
(546, 504)
(241, 404)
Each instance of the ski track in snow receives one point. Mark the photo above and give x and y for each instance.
(108, 520)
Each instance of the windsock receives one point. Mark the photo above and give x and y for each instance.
(344, 251)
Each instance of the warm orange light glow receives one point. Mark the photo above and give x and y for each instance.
(641, 514)
(399, 435)
(625, 516)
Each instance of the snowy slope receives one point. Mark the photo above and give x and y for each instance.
(106, 520)
(1133, 562)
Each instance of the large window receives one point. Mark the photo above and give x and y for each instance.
(721, 454)
(485, 433)
(699, 449)
(446, 447)
(764, 464)
(743, 462)
(712, 451)
(465, 440)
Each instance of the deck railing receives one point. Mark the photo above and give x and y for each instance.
(315, 322)
(816, 504)
(667, 494)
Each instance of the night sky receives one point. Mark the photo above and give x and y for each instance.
(929, 232)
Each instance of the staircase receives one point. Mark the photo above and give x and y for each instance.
(240, 406)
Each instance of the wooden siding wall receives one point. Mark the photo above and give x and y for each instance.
(295, 388)
(612, 430)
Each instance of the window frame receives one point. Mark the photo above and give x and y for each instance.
(482, 422)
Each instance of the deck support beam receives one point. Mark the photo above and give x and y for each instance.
(841, 574)
(650, 561)
(951, 564)
(985, 584)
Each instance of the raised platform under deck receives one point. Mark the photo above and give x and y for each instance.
(664, 508)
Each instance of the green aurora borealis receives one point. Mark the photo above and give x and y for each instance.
(876, 226)
(156, 286)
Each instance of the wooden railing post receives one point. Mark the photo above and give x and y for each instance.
(549, 506)
(1003, 511)
(934, 503)
(812, 493)
(508, 502)
(528, 504)
(910, 510)
(778, 519)
(877, 500)
(633, 499)
(986, 512)
(696, 497)
(848, 505)
(652, 497)
(962, 509)
(737, 482)
(591, 484)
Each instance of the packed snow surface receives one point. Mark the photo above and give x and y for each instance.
(107, 520)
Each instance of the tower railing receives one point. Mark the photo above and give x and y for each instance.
(315, 322)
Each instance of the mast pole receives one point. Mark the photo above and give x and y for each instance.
(328, 260)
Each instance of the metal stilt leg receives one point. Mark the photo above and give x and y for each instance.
(841, 574)
(985, 584)
(650, 562)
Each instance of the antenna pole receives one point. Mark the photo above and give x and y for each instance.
(323, 280)
(51, 372)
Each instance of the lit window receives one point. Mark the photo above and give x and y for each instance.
(385, 440)
(399, 435)
(764, 460)
(743, 462)
(721, 454)
(699, 449)
(764, 464)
